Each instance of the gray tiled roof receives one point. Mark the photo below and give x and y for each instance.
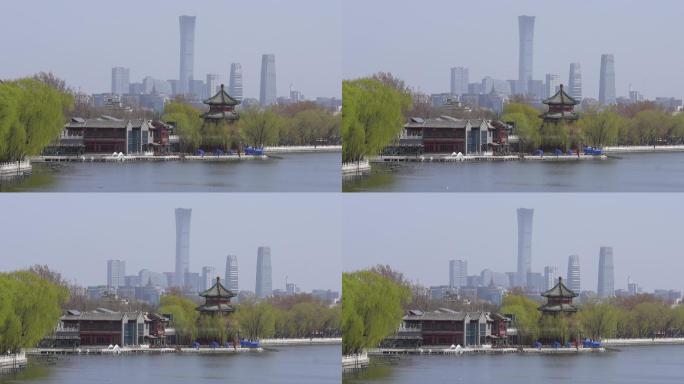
(97, 123)
(439, 122)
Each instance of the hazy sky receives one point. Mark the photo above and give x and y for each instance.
(420, 40)
(418, 234)
(81, 40)
(76, 234)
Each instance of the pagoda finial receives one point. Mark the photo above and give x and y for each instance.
(222, 87)
(218, 278)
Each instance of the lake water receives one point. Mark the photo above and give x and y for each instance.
(295, 172)
(296, 365)
(646, 172)
(629, 365)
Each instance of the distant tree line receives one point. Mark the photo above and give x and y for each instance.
(298, 124)
(31, 114)
(636, 124)
(298, 316)
(640, 316)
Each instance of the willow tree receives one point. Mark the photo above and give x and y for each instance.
(184, 316)
(31, 116)
(260, 127)
(188, 122)
(255, 320)
(527, 123)
(372, 308)
(30, 307)
(526, 316)
(600, 128)
(598, 320)
(372, 117)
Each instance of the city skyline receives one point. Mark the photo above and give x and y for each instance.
(483, 232)
(311, 44)
(139, 229)
(454, 36)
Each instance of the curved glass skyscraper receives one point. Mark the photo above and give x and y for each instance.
(526, 32)
(187, 53)
(182, 245)
(524, 245)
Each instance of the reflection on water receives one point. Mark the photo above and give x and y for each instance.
(310, 364)
(652, 364)
(648, 172)
(305, 172)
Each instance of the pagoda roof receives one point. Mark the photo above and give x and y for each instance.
(561, 98)
(222, 307)
(559, 307)
(221, 98)
(560, 291)
(218, 291)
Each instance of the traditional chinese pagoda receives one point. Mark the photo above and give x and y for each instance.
(216, 300)
(561, 108)
(221, 108)
(558, 300)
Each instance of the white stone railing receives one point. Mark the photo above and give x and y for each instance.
(302, 341)
(643, 148)
(356, 166)
(13, 360)
(644, 341)
(15, 166)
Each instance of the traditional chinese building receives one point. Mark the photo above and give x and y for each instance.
(558, 300)
(216, 300)
(221, 108)
(561, 108)
(446, 134)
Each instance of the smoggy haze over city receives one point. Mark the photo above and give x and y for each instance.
(421, 40)
(417, 235)
(80, 41)
(76, 234)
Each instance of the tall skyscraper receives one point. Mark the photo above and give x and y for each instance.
(208, 277)
(231, 276)
(573, 278)
(120, 80)
(525, 56)
(575, 82)
(235, 82)
(187, 53)
(458, 273)
(459, 81)
(607, 81)
(606, 276)
(550, 277)
(267, 94)
(213, 84)
(524, 245)
(182, 245)
(263, 273)
(552, 84)
(116, 274)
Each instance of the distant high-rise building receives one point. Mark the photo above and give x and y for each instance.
(525, 57)
(187, 53)
(235, 84)
(231, 276)
(606, 277)
(573, 278)
(208, 277)
(459, 81)
(552, 84)
(267, 94)
(213, 84)
(116, 274)
(120, 80)
(458, 273)
(263, 273)
(182, 245)
(575, 82)
(607, 81)
(524, 245)
(487, 84)
(550, 277)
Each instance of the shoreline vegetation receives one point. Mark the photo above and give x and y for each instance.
(33, 301)
(375, 109)
(33, 112)
(368, 317)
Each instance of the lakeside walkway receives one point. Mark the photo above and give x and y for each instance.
(458, 350)
(640, 342)
(644, 148)
(303, 149)
(450, 158)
